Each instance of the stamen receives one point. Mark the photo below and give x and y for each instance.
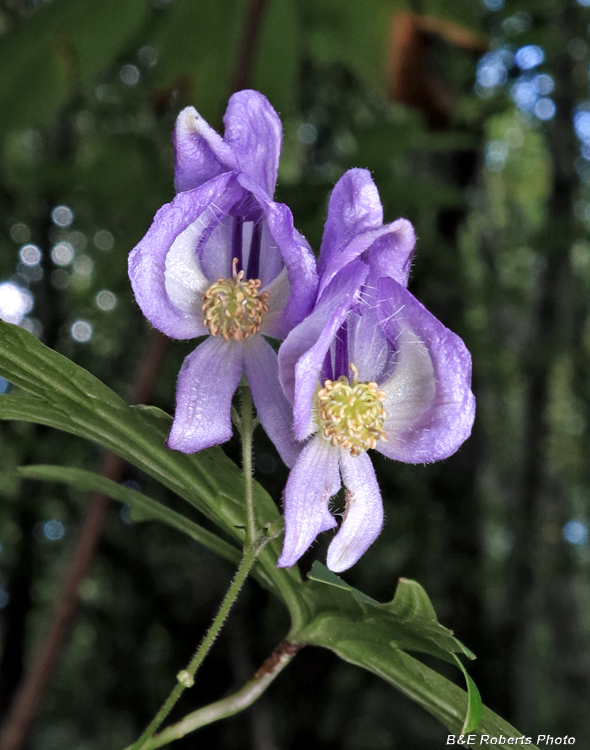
(351, 415)
(234, 308)
(236, 240)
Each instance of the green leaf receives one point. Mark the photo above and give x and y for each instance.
(143, 508)
(474, 704)
(376, 637)
(321, 574)
(325, 611)
(408, 622)
(411, 603)
(438, 695)
(60, 394)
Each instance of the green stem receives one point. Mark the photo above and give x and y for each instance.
(231, 705)
(186, 677)
(252, 546)
(247, 429)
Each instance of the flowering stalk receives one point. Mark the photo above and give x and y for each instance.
(253, 544)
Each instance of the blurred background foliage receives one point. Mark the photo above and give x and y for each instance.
(474, 118)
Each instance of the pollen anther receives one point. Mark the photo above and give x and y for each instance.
(234, 308)
(351, 414)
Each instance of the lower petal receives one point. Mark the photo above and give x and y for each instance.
(206, 384)
(312, 482)
(363, 519)
(275, 412)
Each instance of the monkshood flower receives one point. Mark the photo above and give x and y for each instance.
(223, 260)
(370, 368)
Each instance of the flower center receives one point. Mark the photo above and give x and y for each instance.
(234, 308)
(351, 415)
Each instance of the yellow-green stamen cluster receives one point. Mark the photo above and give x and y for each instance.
(351, 415)
(234, 308)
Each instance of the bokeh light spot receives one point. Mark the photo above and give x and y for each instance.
(307, 133)
(148, 56)
(15, 302)
(20, 232)
(545, 108)
(104, 240)
(544, 84)
(582, 125)
(524, 94)
(575, 532)
(106, 300)
(62, 254)
(62, 216)
(529, 57)
(53, 530)
(81, 331)
(30, 255)
(491, 70)
(83, 266)
(129, 74)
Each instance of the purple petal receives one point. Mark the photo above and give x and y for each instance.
(429, 403)
(312, 482)
(275, 412)
(302, 355)
(254, 133)
(300, 263)
(147, 261)
(279, 290)
(206, 383)
(215, 254)
(354, 207)
(388, 251)
(200, 153)
(367, 346)
(391, 254)
(363, 519)
(296, 255)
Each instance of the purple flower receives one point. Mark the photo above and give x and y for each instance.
(223, 260)
(369, 368)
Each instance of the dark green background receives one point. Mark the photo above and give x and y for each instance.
(503, 259)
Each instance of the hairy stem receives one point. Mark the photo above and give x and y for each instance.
(252, 547)
(231, 705)
(246, 430)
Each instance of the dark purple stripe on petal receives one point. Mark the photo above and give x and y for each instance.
(341, 362)
(236, 242)
(254, 257)
(327, 371)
